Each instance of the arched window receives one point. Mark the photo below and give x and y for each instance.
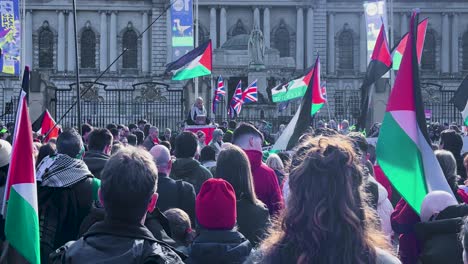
(88, 48)
(46, 47)
(428, 59)
(465, 51)
(282, 40)
(345, 50)
(130, 42)
(239, 29)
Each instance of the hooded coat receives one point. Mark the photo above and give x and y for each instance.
(191, 171)
(439, 238)
(95, 160)
(266, 183)
(219, 246)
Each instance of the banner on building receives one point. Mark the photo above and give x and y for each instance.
(375, 12)
(10, 37)
(181, 28)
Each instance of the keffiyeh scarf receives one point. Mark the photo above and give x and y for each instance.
(61, 171)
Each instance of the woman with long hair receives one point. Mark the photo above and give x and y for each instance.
(252, 215)
(326, 219)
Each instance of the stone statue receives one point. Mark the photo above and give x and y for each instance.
(256, 47)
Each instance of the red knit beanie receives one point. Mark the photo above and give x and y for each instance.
(216, 205)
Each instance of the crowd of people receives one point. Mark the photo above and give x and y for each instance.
(130, 194)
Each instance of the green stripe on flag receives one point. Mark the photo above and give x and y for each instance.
(290, 94)
(22, 227)
(397, 57)
(316, 108)
(191, 73)
(405, 173)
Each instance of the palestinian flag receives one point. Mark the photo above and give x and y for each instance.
(20, 200)
(303, 117)
(399, 49)
(460, 100)
(403, 150)
(291, 90)
(194, 64)
(381, 62)
(45, 125)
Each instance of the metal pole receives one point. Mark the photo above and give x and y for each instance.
(392, 35)
(196, 42)
(77, 69)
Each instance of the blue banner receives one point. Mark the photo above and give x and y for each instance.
(10, 37)
(182, 28)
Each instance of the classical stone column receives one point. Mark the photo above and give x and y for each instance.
(445, 56)
(300, 39)
(363, 44)
(29, 40)
(404, 24)
(266, 27)
(310, 37)
(222, 25)
(455, 49)
(213, 27)
(256, 17)
(331, 43)
(145, 58)
(61, 42)
(103, 63)
(70, 44)
(113, 40)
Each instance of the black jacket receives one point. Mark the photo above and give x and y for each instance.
(156, 222)
(176, 194)
(252, 220)
(116, 242)
(219, 246)
(190, 170)
(95, 160)
(440, 242)
(61, 212)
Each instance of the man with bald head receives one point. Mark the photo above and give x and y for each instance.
(172, 194)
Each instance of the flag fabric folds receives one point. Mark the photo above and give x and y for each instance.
(303, 117)
(399, 49)
(250, 94)
(236, 102)
(381, 62)
(403, 150)
(196, 63)
(46, 124)
(20, 201)
(291, 90)
(219, 93)
(460, 100)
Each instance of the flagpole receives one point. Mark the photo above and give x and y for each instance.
(213, 115)
(77, 71)
(196, 43)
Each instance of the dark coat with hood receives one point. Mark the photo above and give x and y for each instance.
(440, 241)
(95, 160)
(116, 242)
(219, 246)
(266, 183)
(191, 171)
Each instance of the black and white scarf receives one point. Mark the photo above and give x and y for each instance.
(61, 171)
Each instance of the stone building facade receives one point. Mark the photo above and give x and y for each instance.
(294, 32)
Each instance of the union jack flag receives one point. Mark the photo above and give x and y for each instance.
(250, 94)
(219, 93)
(236, 102)
(323, 90)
